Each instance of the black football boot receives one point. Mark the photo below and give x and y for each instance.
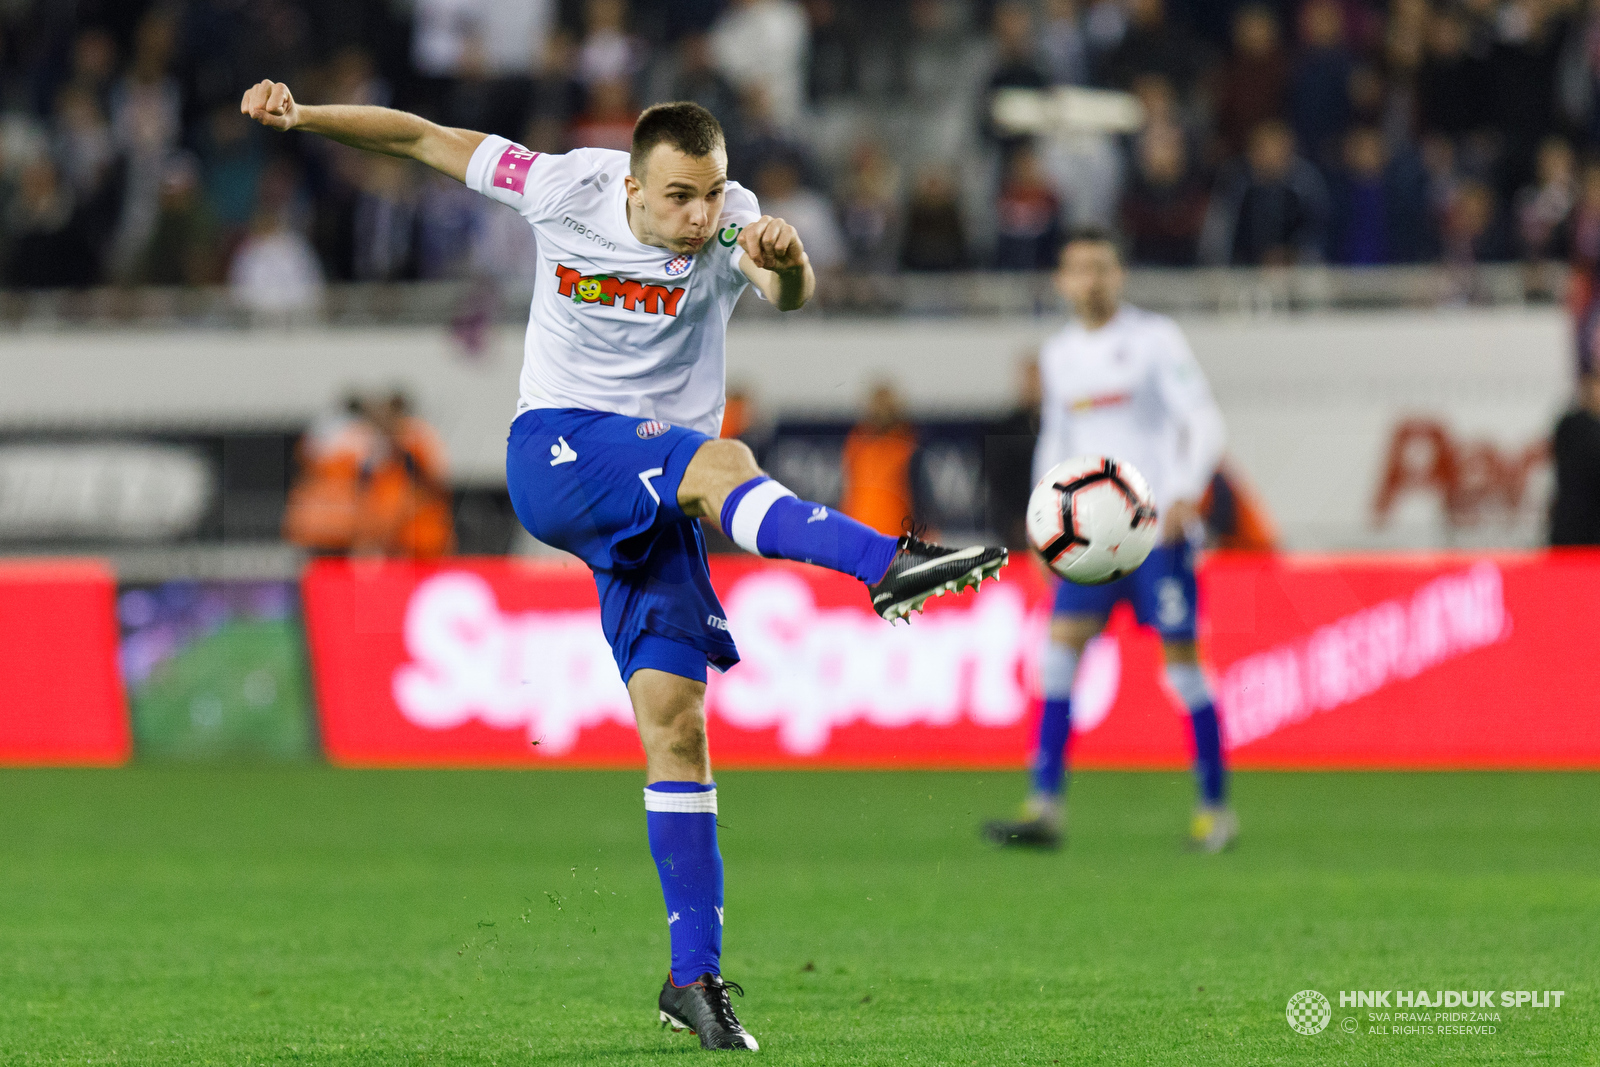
(703, 1008)
(921, 569)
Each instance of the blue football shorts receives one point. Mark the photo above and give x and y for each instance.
(1162, 591)
(605, 488)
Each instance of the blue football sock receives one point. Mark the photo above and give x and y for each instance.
(1050, 759)
(682, 822)
(1210, 775)
(1058, 670)
(763, 517)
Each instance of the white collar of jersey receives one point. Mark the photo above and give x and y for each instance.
(1116, 319)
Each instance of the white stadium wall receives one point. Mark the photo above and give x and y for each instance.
(1313, 403)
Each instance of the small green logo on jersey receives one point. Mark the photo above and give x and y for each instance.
(729, 235)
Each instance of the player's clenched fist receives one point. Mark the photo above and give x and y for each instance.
(772, 244)
(271, 104)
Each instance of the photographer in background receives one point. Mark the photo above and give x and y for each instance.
(1575, 449)
(372, 482)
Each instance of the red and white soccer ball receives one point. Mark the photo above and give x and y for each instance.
(1092, 519)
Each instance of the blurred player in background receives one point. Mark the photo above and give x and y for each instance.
(1122, 382)
(614, 452)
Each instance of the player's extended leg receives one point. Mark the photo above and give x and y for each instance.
(1043, 814)
(723, 483)
(1214, 826)
(680, 801)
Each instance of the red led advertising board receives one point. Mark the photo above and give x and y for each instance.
(1324, 662)
(61, 700)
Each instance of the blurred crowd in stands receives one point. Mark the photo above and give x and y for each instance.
(1279, 131)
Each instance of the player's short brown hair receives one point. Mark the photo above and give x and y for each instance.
(689, 128)
(1094, 235)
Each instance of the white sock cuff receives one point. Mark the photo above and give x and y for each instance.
(751, 510)
(1189, 682)
(660, 800)
(1058, 670)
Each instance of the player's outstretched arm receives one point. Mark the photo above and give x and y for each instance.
(376, 129)
(776, 263)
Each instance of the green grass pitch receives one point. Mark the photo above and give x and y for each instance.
(309, 915)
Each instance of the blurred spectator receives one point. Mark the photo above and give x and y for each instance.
(385, 223)
(1253, 83)
(1542, 208)
(870, 220)
(1575, 448)
(1104, 25)
(1165, 205)
(1151, 45)
(1471, 234)
(688, 74)
(275, 272)
(232, 162)
(146, 115)
(1028, 223)
(763, 43)
(833, 50)
(1522, 66)
(84, 146)
(608, 120)
(47, 248)
(778, 188)
(608, 53)
(760, 137)
(1269, 209)
(1378, 204)
(371, 480)
(935, 237)
(1451, 84)
(1016, 63)
(1008, 459)
(876, 465)
(1063, 44)
(183, 247)
(509, 34)
(1319, 86)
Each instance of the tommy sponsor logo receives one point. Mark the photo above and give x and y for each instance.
(679, 265)
(584, 231)
(632, 295)
(512, 170)
(716, 623)
(651, 428)
(818, 513)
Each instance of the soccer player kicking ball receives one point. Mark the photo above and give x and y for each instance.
(1122, 382)
(613, 452)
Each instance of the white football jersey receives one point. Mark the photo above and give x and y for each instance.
(616, 325)
(1133, 391)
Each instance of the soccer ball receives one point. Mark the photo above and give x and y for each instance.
(1092, 520)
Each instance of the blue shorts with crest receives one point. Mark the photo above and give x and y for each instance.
(605, 488)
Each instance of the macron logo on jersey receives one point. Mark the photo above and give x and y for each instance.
(512, 170)
(635, 296)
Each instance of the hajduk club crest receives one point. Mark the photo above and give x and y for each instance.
(678, 265)
(651, 428)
